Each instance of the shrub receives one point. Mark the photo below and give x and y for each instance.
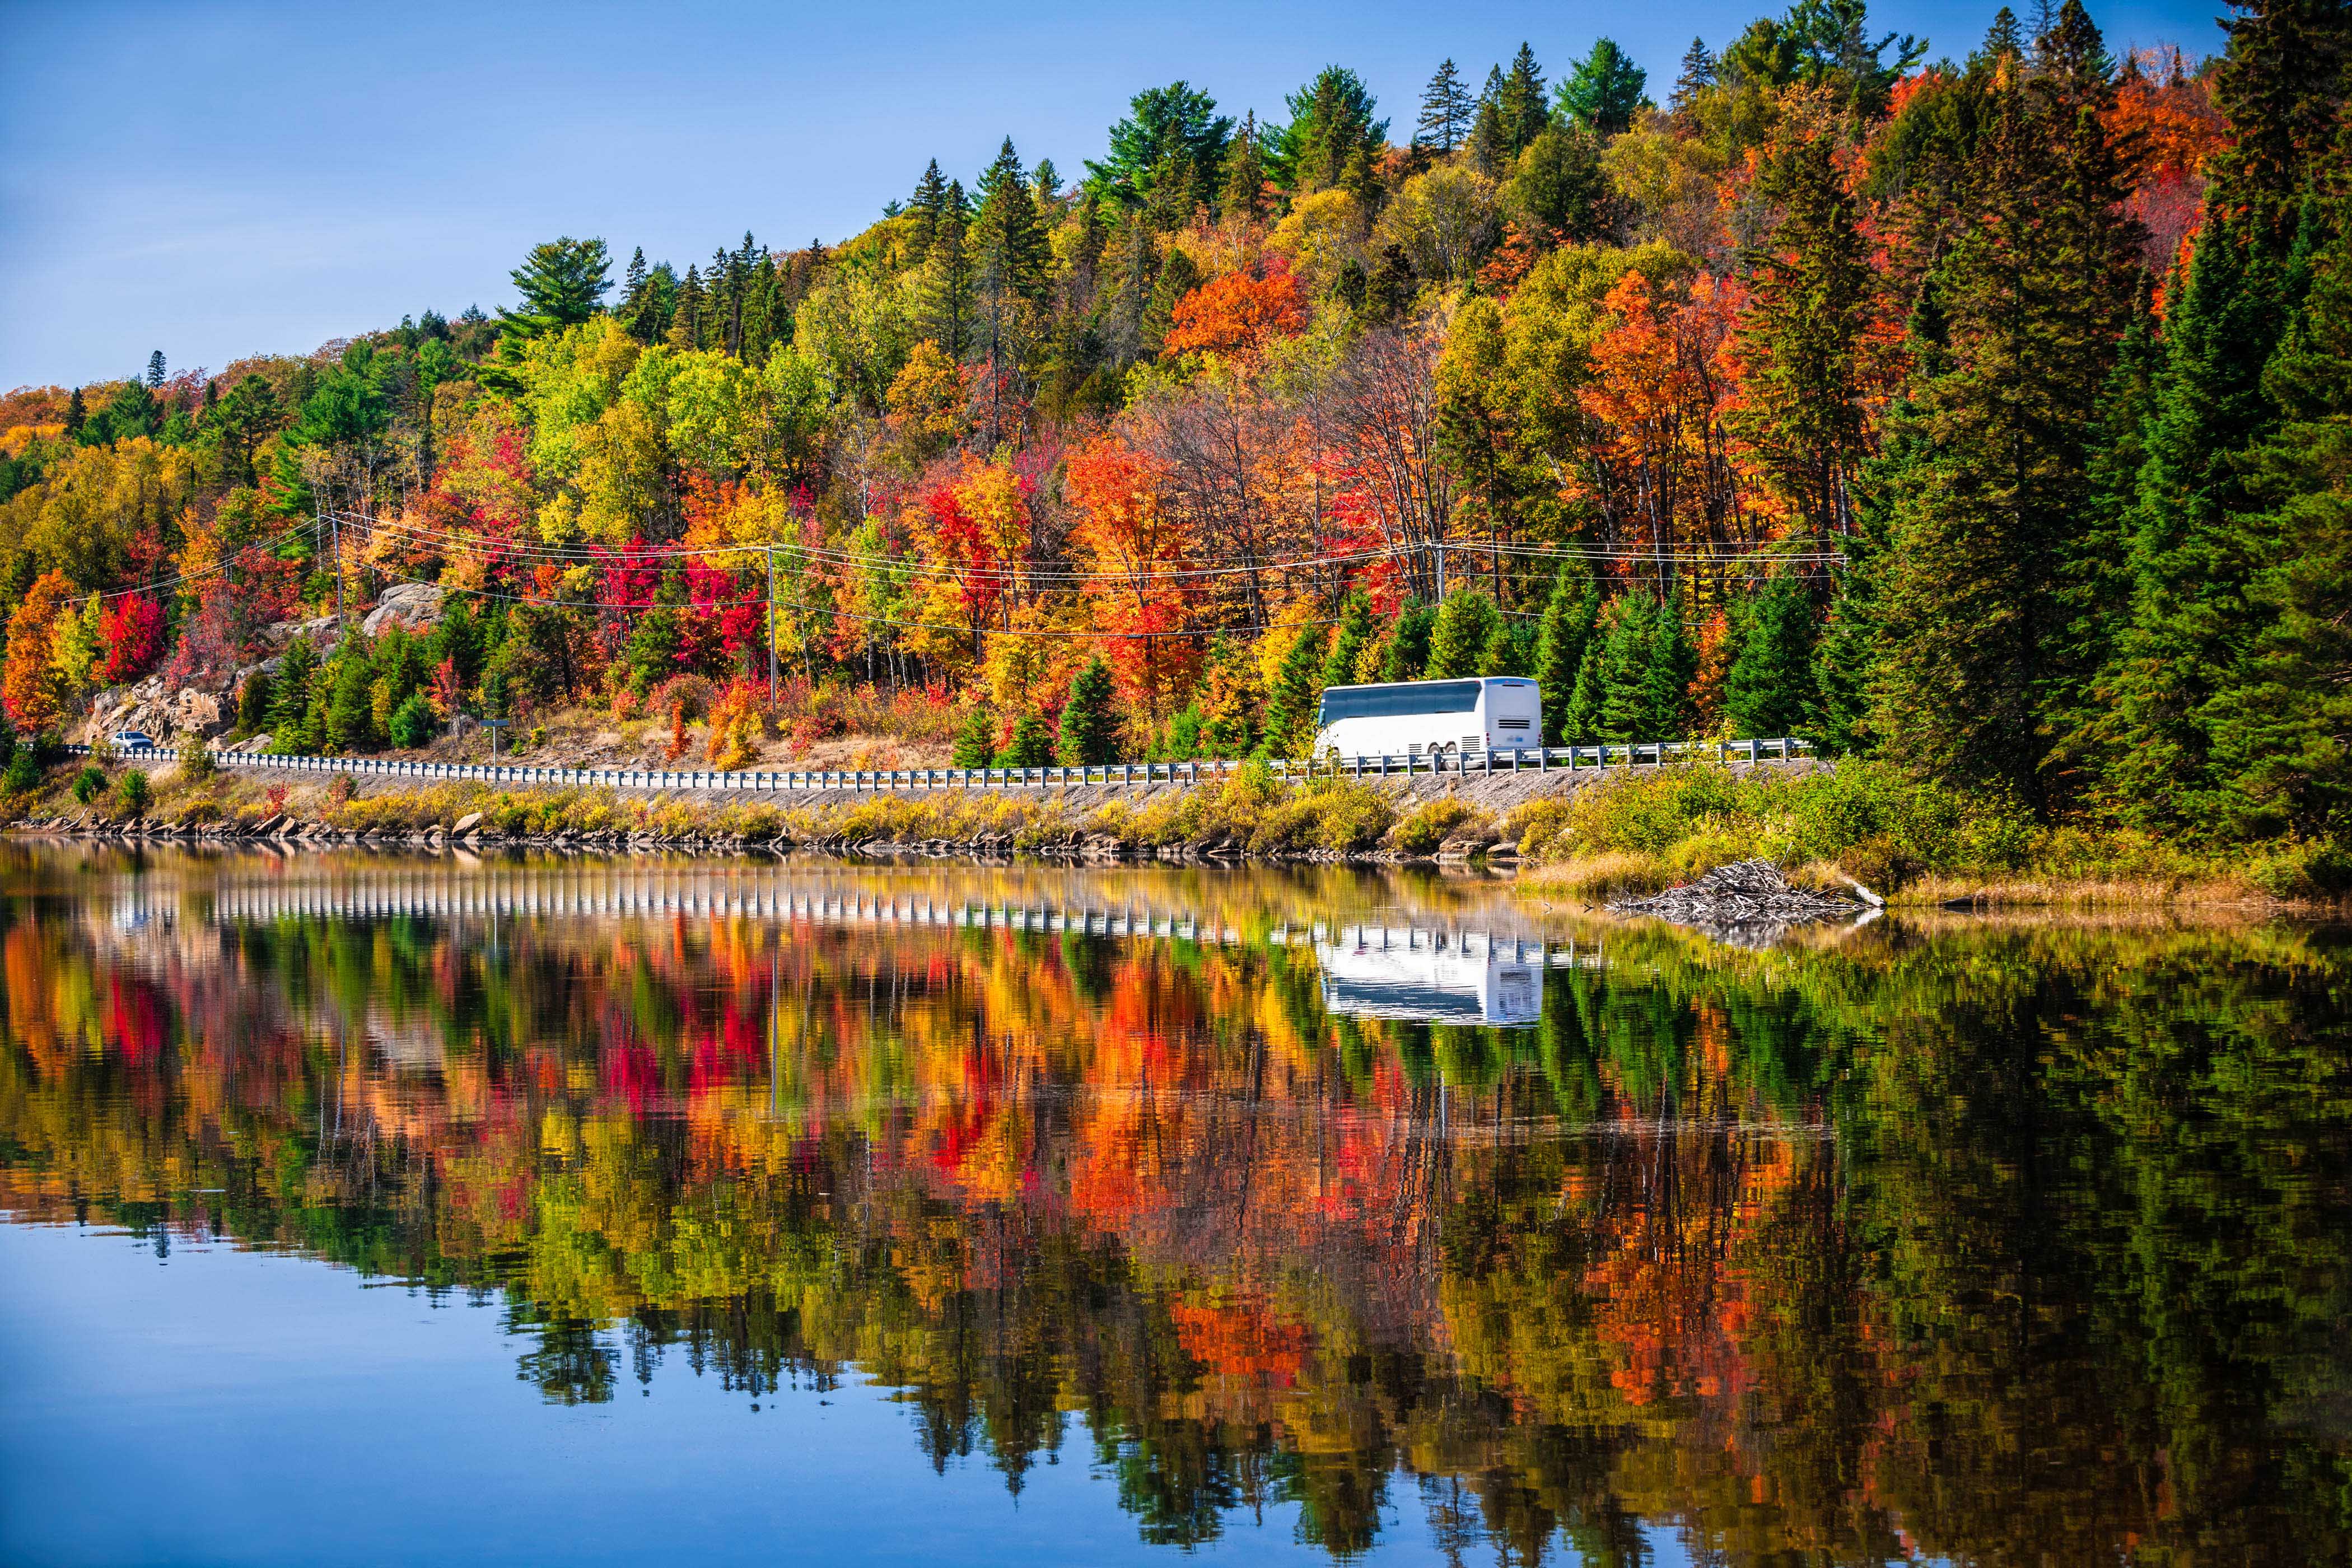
(197, 759)
(24, 768)
(1431, 824)
(412, 722)
(737, 722)
(340, 789)
(134, 793)
(89, 785)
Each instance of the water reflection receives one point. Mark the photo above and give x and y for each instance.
(1987, 1243)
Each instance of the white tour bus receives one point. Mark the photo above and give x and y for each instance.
(1415, 718)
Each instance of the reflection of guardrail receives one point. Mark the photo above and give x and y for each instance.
(1531, 759)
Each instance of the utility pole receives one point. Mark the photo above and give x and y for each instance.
(338, 573)
(772, 626)
(1440, 568)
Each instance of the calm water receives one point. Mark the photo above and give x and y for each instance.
(388, 1211)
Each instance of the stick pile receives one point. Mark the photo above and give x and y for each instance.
(1748, 903)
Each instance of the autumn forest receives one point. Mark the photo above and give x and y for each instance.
(1981, 410)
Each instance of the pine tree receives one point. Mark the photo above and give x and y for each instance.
(77, 415)
(1446, 108)
(1491, 152)
(1243, 193)
(1466, 620)
(1569, 617)
(1622, 709)
(291, 698)
(1509, 650)
(1010, 268)
(686, 326)
(1090, 717)
(1521, 102)
(1330, 119)
(350, 725)
(155, 370)
(1813, 304)
(1769, 690)
(1698, 74)
(929, 206)
(944, 294)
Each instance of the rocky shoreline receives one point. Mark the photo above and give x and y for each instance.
(471, 834)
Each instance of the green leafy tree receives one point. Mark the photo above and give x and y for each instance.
(1090, 717)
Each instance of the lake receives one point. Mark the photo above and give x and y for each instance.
(363, 1209)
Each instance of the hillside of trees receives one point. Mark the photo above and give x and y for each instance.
(1989, 416)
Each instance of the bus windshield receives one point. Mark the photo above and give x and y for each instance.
(1395, 702)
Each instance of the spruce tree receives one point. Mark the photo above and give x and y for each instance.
(155, 370)
(1769, 690)
(1030, 744)
(1698, 74)
(1623, 704)
(349, 725)
(928, 206)
(1243, 191)
(1491, 152)
(1291, 707)
(1404, 655)
(1347, 646)
(944, 307)
(1604, 92)
(1524, 108)
(291, 699)
(975, 741)
(1466, 620)
(1090, 717)
(2036, 292)
(2280, 715)
(1569, 618)
(2199, 538)
(1446, 108)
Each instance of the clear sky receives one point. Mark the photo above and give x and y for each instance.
(218, 180)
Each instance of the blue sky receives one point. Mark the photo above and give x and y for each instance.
(220, 180)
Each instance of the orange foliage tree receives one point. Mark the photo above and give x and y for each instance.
(29, 689)
(1237, 312)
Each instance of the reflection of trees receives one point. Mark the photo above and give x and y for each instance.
(2005, 1246)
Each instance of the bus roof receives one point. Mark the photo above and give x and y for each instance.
(1448, 681)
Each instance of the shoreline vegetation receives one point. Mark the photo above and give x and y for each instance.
(1638, 832)
(1981, 415)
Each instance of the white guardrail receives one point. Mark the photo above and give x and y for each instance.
(1531, 759)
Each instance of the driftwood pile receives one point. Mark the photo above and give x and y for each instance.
(1748, 903)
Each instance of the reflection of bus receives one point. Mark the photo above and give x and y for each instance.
(1414, 718)
(1429, 977)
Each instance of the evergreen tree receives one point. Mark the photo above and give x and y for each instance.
(1405, 653)
(1355, 636)
(1172, 132)
(2199, 539)
(1601, 96)
(1030, 744)
(1813, 305)
(1698, 74)
(1466, 620)
(1330, 121)
(155, 370)
(77, 415)
(928, 206)
(1446, 108)
(349, 725)
(1521, 103)
(975, 739)
(686, 326)
(2036, 293)
(1510, 649)
(1566, 630)
(1090, 717)
(1769, 690)
(1491, 152)
(1010, 266)
(1291, 707)
(1559, 187)
(944, 295)
(1243, 193)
